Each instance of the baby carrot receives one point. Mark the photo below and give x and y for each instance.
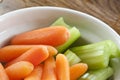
(36, 74)
(35, 55)
(53, 36)
(62, 67)
(19, 70)
(3, 75)
(11, 52)
(77, 70)
(49, 69)
(52, 51)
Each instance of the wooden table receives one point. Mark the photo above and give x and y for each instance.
(106, 10)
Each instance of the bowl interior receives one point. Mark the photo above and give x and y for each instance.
(92, 29)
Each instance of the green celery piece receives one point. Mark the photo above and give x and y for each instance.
(113, 48)
(74, 34)
(100, 74)
(72, 57)
(60, 22)
(115, 64)
(96, 55)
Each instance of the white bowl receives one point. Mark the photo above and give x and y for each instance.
(92, 29)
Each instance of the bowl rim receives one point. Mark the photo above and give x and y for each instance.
(106, 26)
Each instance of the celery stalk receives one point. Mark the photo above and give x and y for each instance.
(113, 49)
(74, 34)
(115, 63)
(95, 55)
(100, 74)
(72, 57)
(60, 22)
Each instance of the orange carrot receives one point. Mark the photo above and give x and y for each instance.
(49, 69)
(3, 75)
(8, 53)
(36, 74)
(19, 70)
(53, 36)
(52, 51)
(35, 55)
(62, 67)
(77, 70)
(11, 52)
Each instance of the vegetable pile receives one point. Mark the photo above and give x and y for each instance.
(46, 54)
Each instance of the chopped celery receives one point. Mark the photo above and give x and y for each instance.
(74, 34)
(95, 55)
(72, 57)
(114, 51)
(100, 74)
(60, 22)
(115, 63)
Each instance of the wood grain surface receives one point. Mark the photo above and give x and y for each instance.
(106, 10)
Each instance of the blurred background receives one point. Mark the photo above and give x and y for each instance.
(106, 10)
